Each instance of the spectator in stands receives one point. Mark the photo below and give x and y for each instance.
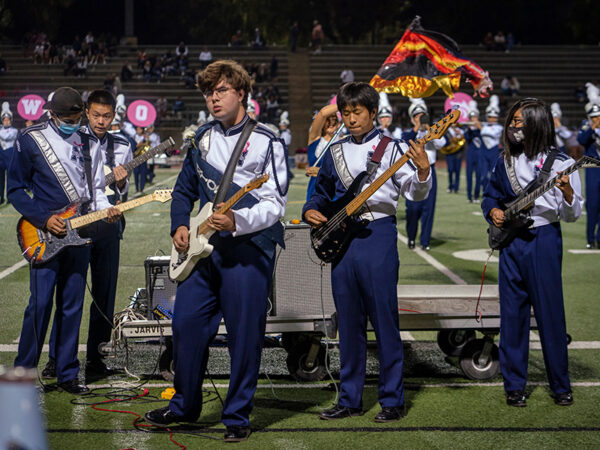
(488, 41)
(3, 67)
(101, 53)
(274, 67)
(515, 86)
(70, 61)
(181, 49)
(510, 86)
(126, 72)
(510, 42)
(205, 57)
(141, 58)
(84, 95)
(161, 108)
(258, 41)
(76, 44)
(89, 38)
(236, 39)
(347, 76)
(81, 65)
(272, 106)
(109, 81)
(317, 36)
(178, 107)
(294, 33)
(38, 53)
(500, 41)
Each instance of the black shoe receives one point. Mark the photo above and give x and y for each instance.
(161, 417)
(563, 399)
(411, 244)
(73, 386)
(236, 434)
(97, 368)
(50, 369)
(340, 412)
(390, 414)
(516, 398)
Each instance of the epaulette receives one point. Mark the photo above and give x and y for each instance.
(82, 132)
(37, 126)
(120, 140)
(261, 128)
(562, 156)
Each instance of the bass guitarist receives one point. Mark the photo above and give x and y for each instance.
(530, 266)
(364, 279)
(60, 165)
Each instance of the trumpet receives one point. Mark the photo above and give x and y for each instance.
(456, 144)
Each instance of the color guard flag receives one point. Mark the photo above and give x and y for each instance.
(424, 61)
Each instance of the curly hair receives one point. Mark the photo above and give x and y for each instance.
(228, 70)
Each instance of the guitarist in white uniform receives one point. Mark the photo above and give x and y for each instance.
(104, 259)
(530, 266)
(364, 279)
(233, 282)
(50, 158)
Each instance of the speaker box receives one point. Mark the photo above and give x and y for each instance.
(161, 290)
(300, 280)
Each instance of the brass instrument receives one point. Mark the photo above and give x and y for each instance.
(141, 148)
(456, 144)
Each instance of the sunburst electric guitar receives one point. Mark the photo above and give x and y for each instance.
(182, 264)
(331, 240)
(40, 246)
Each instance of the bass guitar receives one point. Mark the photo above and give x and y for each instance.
(331, 240)
(182, 264)
(515, 213)
(40, 246)
(161, 148)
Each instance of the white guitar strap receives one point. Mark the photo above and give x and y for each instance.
(512, 175)
(54, 163)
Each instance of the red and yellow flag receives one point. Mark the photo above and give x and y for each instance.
(425, 61)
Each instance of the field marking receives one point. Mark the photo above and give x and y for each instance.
(13, 268)
(585, 252)
(7, 348)
(434, 262)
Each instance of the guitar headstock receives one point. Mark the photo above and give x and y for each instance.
(171, 146)
(162, 195)
(256, 182)
(438, 129)
(589, 162)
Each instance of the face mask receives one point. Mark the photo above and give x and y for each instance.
(515, 135)
(68, 128)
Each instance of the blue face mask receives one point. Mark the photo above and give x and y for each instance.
(68, 128)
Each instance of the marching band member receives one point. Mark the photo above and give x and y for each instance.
(126, 127)
(8, 136)
(321, 131)
(589, 137)
(385, 116)
(491, 133)
(142, 143)
(234, 281)
(454, 160)
(562, 132)
(284, 133)
(365, 277)
(474, 147)
(529, 274)
(53, 158)
(424, 209)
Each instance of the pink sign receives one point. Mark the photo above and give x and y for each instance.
(141, 113)
(460, 100)
(256, 107)
(31, 107)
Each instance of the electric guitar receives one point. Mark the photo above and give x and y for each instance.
(515, 214)
(331, 240)
(39, 246)
(182, 264)
(110, 176)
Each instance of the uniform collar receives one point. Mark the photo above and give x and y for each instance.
(234, 129)
(367, 137)
(89, 130)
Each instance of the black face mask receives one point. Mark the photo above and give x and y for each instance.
(515, 135)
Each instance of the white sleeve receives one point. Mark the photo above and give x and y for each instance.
(271, 202)
(407, 178)
(571, 212)
(123, 159)
(564, 132)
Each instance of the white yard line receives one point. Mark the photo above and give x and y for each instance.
(434, 262)
(13, 268)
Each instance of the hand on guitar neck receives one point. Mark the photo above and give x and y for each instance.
(56, 225)
(121, 175)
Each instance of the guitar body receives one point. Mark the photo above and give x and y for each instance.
(182, 264)
(499, 238)
(39, 246)
(108, 191)
(335, 242)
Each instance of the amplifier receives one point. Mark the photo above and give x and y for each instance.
(300, 280)
(160, 289)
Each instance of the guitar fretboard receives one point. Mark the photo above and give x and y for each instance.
(81, 221)
(110, 178)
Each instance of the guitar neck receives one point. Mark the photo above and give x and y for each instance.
(110, 178)
(87, 219)
(203, 227)
(361, 198)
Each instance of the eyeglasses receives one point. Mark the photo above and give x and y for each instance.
(220, 92)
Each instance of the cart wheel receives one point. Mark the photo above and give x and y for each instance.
(165, 363)
(291, 340)
(297, 366)
(451, 342)
(569, 339)
(475, 369)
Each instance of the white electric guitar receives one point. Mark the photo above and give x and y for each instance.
(182, 264)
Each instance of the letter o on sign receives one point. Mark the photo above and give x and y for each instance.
(141, 113)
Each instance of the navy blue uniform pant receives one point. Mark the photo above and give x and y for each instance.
(592, 205)
(486, 163)
(66, 274)
(530, 275)
(472, 171)
(364, 287)
(454, 161)
(423, 210)
(233, 283)
(139, 175)
(2, 182)
(104, 268)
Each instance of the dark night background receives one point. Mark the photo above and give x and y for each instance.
(344, 21)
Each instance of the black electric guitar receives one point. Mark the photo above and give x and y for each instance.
(515, 212)
(150, 153)
(331, 240)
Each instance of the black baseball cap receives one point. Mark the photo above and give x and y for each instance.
(65, 101)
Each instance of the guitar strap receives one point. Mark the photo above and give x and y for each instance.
(233, 161)
(87, 162)
(538, 181)
(110, 151)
